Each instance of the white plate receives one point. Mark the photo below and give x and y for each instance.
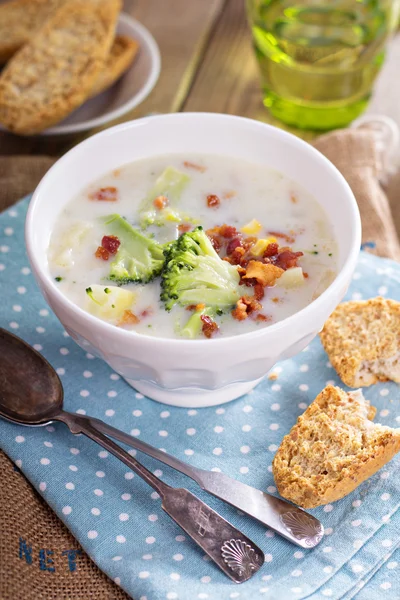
(127, 93)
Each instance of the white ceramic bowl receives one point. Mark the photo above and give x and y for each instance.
(193, 373)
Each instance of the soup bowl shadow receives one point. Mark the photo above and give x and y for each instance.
(180, 372)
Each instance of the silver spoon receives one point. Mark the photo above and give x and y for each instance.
(32, 394)
(291, 522)
(286, 519)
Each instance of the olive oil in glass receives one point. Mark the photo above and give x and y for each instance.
(318, 59)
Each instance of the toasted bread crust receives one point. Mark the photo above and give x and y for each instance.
(122, 53)
(19, 21)
(359, 332)
(332, 449)
(55, 72)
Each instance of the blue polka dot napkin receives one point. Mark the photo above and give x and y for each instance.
(118, 519)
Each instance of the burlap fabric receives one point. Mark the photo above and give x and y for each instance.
(24, 517)
(354, 154)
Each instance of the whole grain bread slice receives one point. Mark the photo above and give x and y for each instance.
(333, 447)
(362, 340)
(122, 55)
(55, 72)
(20, 20)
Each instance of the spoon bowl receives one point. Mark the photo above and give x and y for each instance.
(31, 392)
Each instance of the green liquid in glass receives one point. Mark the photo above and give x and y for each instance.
(318, 59)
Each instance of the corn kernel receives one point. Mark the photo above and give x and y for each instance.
(252, 228)
(172, 217)
(261, 245)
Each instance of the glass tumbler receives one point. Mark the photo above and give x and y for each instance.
(319, 59)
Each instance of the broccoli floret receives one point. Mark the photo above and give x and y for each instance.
(193, 273)
(170, 184)
(139, 259)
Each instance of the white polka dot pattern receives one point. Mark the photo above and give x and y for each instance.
(119, 520)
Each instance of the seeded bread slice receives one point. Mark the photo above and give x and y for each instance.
(333, 447)
(362, 340)
(55, 72)
(19, 20)
(122, 54)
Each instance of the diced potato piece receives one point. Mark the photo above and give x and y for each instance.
(261, 245)
(108, 301)
(69, 241)
(291, 278)
(252, 228)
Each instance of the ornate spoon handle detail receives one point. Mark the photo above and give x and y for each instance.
(234, 553)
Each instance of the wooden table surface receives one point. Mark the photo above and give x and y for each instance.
(208, 65)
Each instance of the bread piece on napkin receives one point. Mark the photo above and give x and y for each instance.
(19, 20)
(56, 71)
(362, 340)
(333, 447)
(122, 54)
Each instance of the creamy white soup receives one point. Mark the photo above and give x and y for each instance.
(197, 246)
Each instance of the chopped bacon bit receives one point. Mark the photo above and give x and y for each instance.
(273, 376)
(258, 291)
(147, 312)
(220, 237)
(227, 231)
(102, 253)
(190, 165)
(214, 231)
(184, 228)
(265, 274)
(287, 259)
(289, 239)
(241, 270)
(236, 242)
(245, 306)
(251, 303)
(276, 300)
(106, 194)
(160, 202)
(263, 318)
(213, 201)
(128, 318)
(209, 326)
(196, 307)
(230, 194)
(293, 198)
(237, 255)
(250, 282)
(216, 244)
(305, 275)
(271, 250)
(111, 243)
(240, 312)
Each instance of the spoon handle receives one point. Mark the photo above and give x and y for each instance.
(288, 520)
(82, 425)
(189, 470)
(234, 553)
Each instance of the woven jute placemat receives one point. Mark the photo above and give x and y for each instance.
(29, 530)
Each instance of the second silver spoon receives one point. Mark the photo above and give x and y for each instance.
(31, 394)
